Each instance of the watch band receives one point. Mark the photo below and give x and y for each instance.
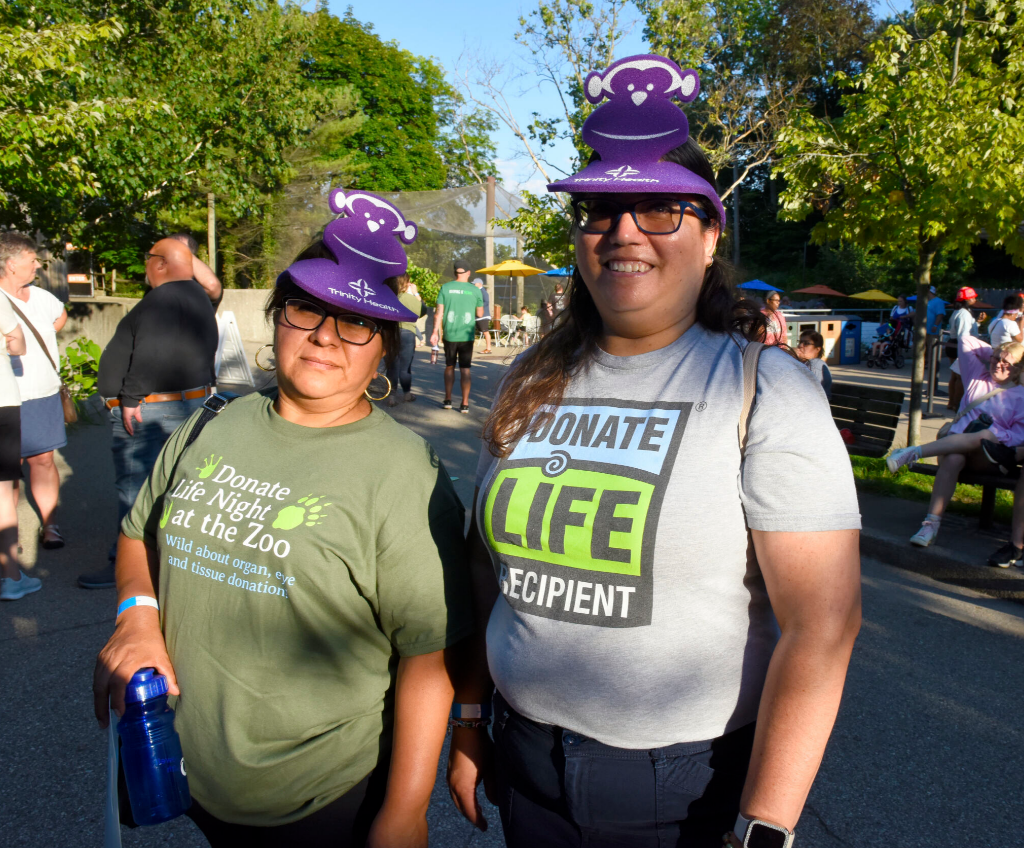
(471, 711)
(743, 825)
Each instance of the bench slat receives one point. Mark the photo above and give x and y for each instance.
(862, 405)
(970, 478)
(879, 420)
(849, 390)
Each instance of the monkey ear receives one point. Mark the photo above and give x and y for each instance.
(337, 201)
(689, 86)
(593, 86)
(408, 235)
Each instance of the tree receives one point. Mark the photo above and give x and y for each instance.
(45, 128)
(417, 135)
(564, 40)
(929, 151)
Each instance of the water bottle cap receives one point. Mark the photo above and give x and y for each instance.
(145, 684)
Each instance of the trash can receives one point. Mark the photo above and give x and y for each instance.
(849, 342)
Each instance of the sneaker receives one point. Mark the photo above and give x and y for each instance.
(926, 535)
(12, 590)
(98, 580)
(464, 409)
(1000, 455)
(900, 457)
(1009, 554)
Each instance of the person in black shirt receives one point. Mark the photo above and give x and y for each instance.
(155, 372)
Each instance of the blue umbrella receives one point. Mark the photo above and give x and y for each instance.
(758, 285)
(559, 272)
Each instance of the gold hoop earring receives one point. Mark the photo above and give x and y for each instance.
(257, 358)
(369, 397)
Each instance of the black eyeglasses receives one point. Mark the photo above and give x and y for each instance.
(303, 315)
(147, 256)
(655, 217)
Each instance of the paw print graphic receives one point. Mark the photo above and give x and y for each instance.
(208, 467)
(305, 510)
(166, 515)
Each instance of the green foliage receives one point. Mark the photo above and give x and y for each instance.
(416, 136)
(79, 368)
(49, 119)
(930, 149)
(544, 225)
(427, 283)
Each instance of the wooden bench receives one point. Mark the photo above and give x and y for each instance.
(988, 482)
(870, 414)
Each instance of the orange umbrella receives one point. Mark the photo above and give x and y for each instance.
(824, 290)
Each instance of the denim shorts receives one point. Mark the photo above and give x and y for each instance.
(559, 788)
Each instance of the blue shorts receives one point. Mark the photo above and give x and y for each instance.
(42, 425)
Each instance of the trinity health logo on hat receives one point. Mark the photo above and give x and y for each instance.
(636, 127)
(366, 250)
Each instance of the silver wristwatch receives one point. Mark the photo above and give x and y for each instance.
(755, 833)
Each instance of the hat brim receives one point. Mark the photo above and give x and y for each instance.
(605, 177)
(324, 279)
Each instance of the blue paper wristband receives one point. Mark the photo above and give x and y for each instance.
(471, 711)
(137, 601)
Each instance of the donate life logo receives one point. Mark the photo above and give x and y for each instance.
(573, 511)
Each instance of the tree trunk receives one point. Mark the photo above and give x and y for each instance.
(927, 249)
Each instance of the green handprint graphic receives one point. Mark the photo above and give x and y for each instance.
(165, 517)
(208, 467)
(292, 516)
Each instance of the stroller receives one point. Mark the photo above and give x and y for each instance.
(888, 350)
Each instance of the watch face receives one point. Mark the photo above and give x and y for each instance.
(762, 836)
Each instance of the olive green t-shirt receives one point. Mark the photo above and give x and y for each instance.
(297, 565)
(413, 304)
(460, 302)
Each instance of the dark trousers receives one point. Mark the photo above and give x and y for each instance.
(343, 823)
(558, 789)
(400, 372)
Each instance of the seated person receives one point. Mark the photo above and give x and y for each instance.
(992, 408)
(1007, 328)
(811, 350)
(886, 333)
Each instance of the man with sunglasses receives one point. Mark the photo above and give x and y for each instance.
(155, 372)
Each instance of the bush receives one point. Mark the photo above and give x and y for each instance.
(79, 369)
(427, 283)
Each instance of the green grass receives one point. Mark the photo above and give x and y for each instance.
(872, 476)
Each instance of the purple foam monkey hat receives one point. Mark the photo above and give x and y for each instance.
(363, 243)
(636, 127)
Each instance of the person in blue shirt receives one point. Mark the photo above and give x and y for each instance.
(936, 314)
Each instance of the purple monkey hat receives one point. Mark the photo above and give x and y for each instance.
(636, 127)
(363, 242)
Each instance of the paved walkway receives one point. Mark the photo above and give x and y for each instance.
(927, 750)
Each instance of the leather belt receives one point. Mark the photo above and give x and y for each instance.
(164, 397)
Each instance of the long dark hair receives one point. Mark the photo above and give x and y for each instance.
(390, 332)
(541, 376)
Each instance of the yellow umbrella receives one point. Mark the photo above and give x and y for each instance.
(874, 294)
(511, 268)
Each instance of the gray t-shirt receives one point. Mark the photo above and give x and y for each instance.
(821, 373)
(628, 610)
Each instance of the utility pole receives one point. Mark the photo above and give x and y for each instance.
(736, 216)
(489, 241)
(211, 232)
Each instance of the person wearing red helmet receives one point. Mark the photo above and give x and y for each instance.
(961, 323)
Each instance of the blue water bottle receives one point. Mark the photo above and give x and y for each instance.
(154, 767)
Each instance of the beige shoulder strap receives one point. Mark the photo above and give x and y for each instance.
(751, 355)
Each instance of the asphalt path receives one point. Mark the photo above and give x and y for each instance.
(928, 748)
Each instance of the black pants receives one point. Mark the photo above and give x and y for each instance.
(343, 823)
(558, 789)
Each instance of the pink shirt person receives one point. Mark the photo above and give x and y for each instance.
(1006, 408)
(777, 330)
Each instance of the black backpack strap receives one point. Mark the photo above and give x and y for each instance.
(211, 409)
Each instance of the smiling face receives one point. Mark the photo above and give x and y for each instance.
(643, 285)
(316, 368)
(1001, 366)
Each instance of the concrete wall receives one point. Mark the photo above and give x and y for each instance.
(96, 318)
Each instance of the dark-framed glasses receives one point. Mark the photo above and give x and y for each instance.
(147, 256)
(655, 217)
(303, 315)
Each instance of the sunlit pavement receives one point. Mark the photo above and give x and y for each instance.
(927, 751)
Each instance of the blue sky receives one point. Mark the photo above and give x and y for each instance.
(452, 30)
